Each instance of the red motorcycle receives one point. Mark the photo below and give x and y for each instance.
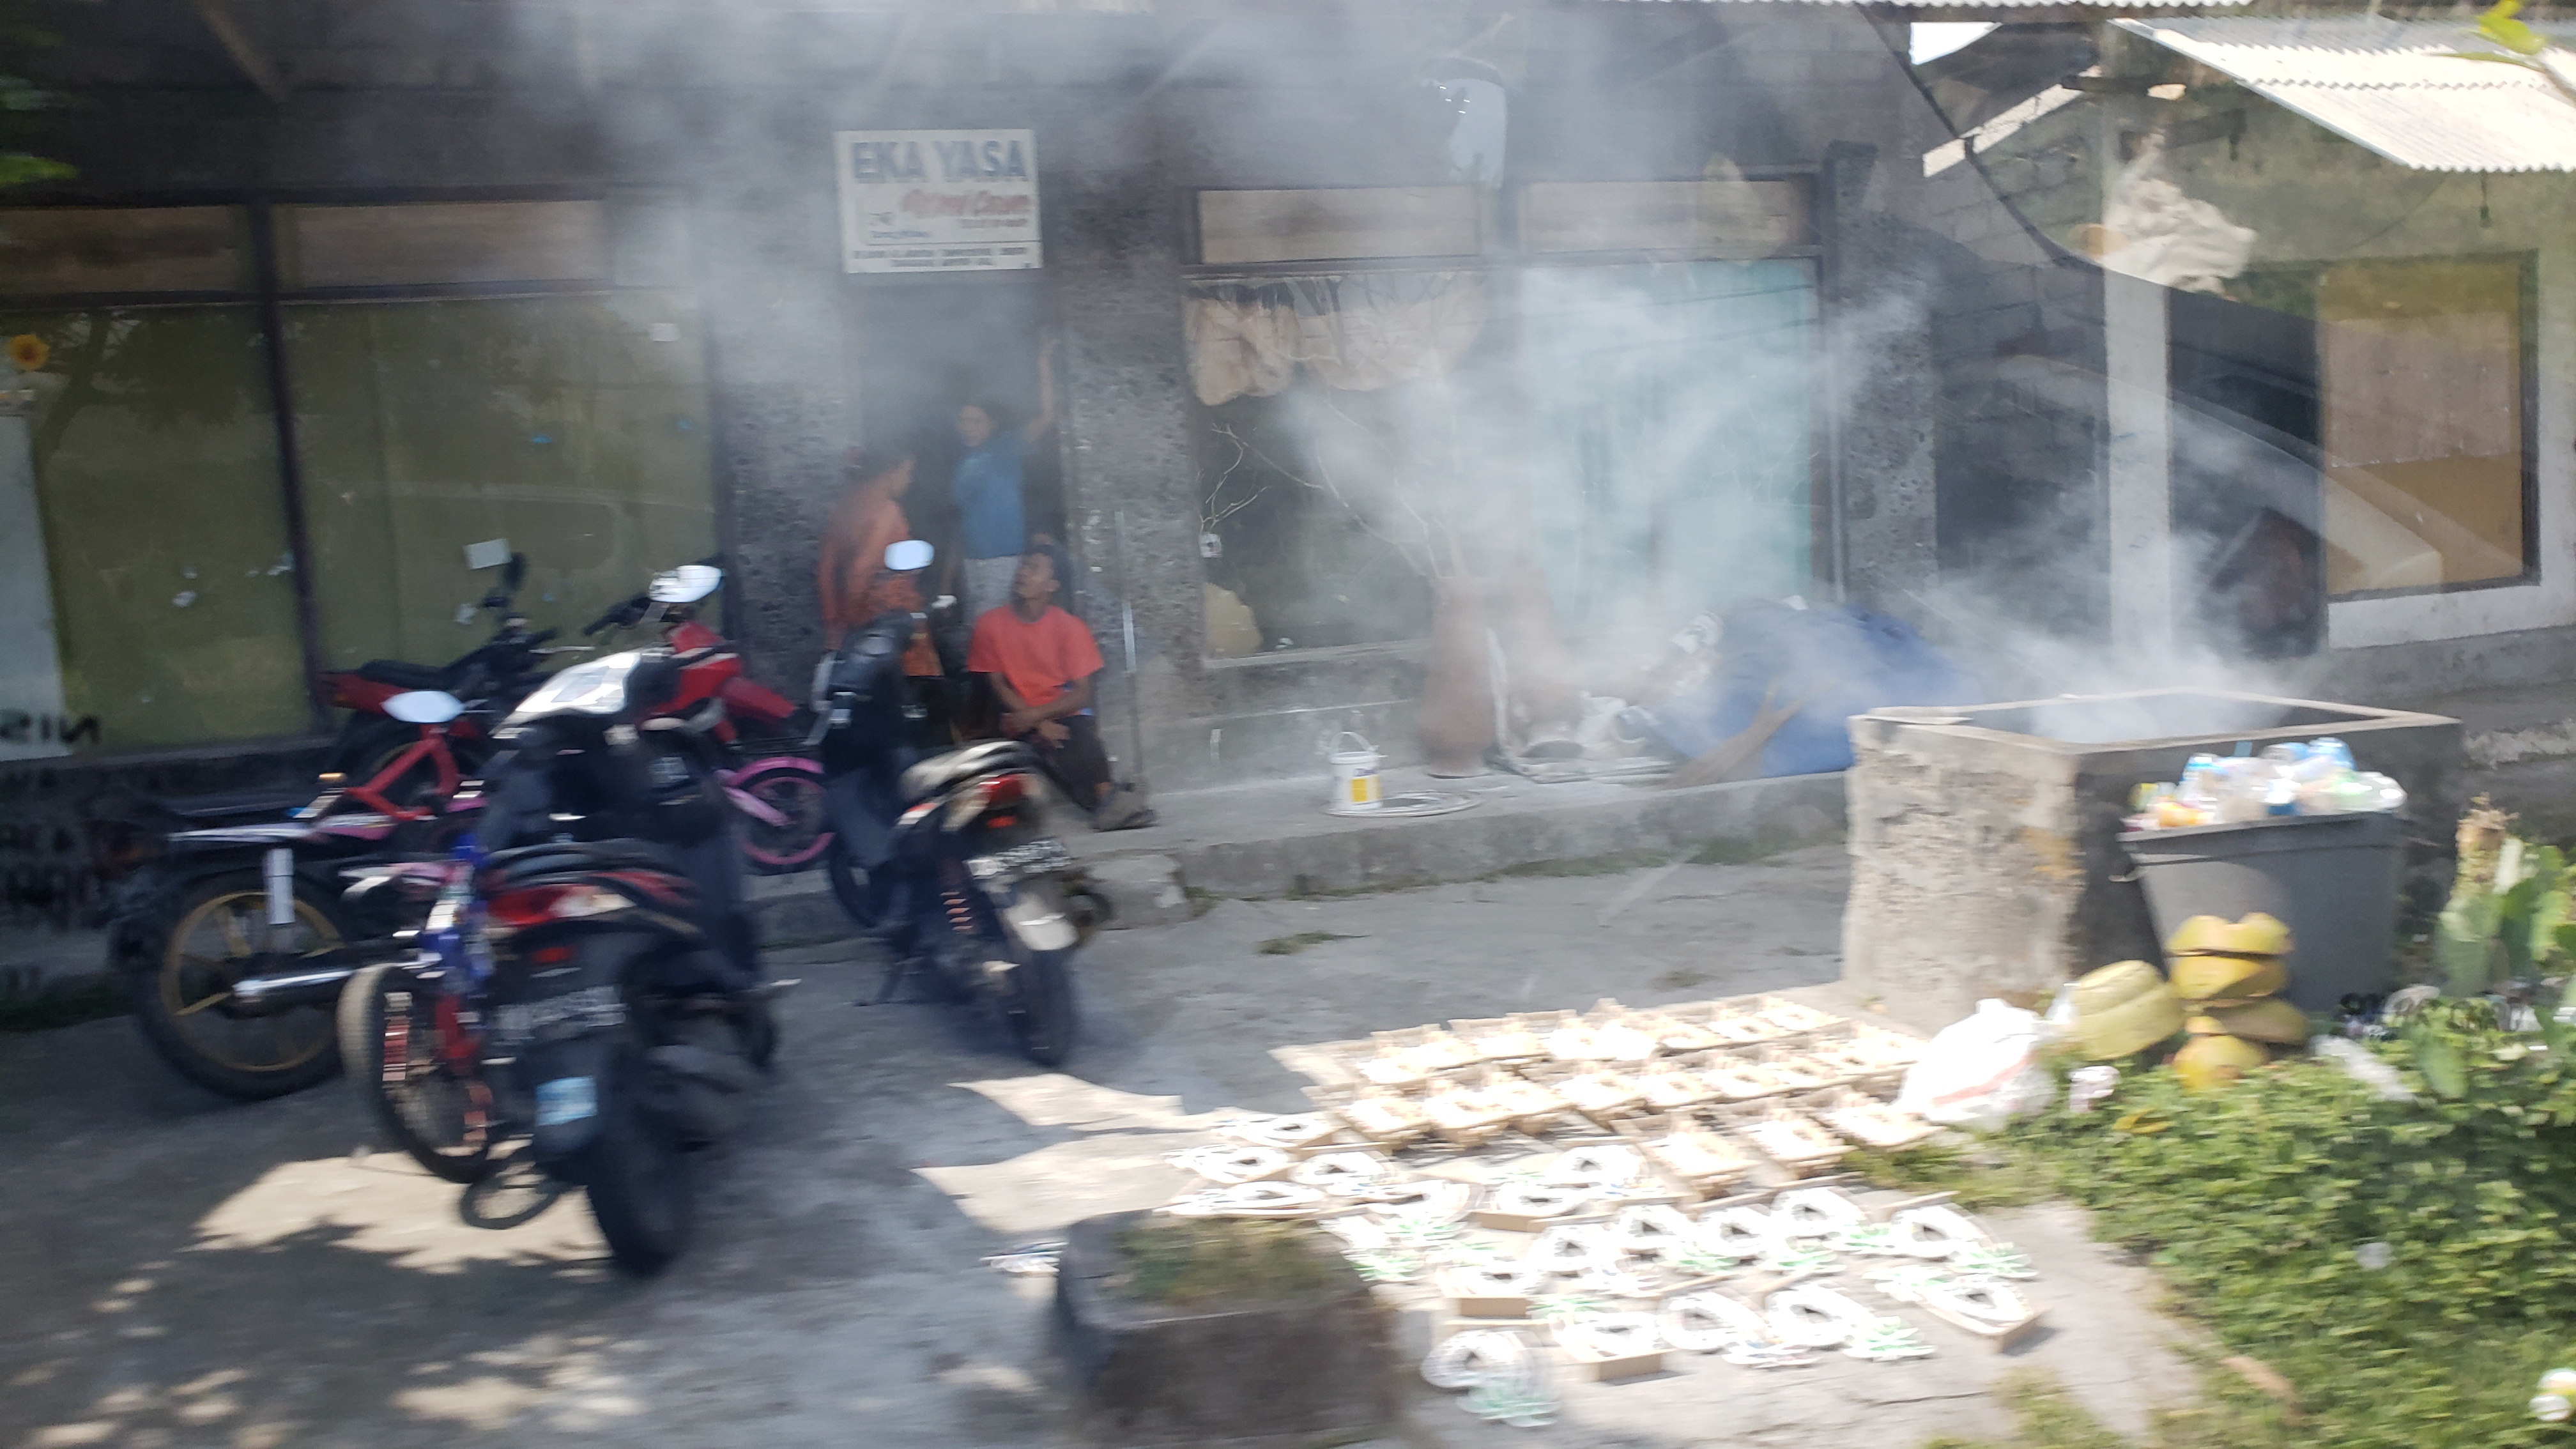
(777, 793)
(392, 765)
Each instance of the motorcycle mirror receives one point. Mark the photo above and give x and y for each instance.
(424, 706)
(909, 555)
(685, 585)
(514, 573)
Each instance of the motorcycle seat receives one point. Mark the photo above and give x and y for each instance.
(940, 772)
(402, 674)
(529, 862)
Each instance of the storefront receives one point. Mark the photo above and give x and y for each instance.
(263, 441)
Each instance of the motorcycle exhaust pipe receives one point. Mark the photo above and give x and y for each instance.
(286, 990)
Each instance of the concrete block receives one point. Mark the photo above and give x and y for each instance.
(1143, 889)
(1319, 1368)
(1985, 843)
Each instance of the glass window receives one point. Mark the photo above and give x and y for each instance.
(2420, 366)
(1341, 456)
(573, 426)
(153, 449)
(1671, 449)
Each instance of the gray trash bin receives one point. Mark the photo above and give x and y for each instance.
(2332, 878)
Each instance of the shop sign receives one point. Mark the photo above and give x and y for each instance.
(937, 201)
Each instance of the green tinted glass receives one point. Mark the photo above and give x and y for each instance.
(155, 458)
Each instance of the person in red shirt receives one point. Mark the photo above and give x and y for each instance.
(1040, 663)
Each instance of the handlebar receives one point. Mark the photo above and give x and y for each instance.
(618, 615)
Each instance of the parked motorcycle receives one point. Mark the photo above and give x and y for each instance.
(948, 857)
(777, 792)
(584, 1010)
(378, 756)
(233, 942)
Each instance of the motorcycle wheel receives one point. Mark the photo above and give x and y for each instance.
(209, 941)
(850, 886)
(641, 1183)
(440, 1118)
(1041, 1011)
(791, 786)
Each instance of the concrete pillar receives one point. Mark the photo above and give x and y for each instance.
(2139, 512)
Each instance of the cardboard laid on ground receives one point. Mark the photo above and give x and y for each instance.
(1620, 1192)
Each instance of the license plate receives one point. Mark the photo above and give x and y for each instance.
(1039, 856)
(571, 1014)
(566, 1099)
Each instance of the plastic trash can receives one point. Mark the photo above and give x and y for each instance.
(2333, 878)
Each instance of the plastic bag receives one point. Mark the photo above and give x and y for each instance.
(1981, 1071)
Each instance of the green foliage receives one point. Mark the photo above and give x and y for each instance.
(1193, 1260)
(2506, 918)
(2499, 25)
(2253, 1201)
(1291, 945)
(19, 98)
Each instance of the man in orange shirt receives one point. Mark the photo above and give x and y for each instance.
(1040, 662)
(850, 572)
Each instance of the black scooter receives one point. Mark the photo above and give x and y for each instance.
(948, 857)
(583, 1011)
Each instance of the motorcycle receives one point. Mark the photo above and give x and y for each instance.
(391, 765)
(200, 930)
(778, 793)
(582, 1010)
(948, 856)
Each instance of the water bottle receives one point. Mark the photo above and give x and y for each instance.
(2333, 749)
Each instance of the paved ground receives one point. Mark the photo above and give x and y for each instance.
(184, 1271)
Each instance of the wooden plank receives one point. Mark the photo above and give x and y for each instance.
(58, 250)
(449, 242)
(1355, 223)
(1741, 219)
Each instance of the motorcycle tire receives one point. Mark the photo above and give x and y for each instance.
(849, 882)
(793, 787)
(641, 1183)
(1041, 1012)
(431, 1113)
(180, 982)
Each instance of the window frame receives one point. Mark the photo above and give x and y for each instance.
(270, 296)
(1501, 264)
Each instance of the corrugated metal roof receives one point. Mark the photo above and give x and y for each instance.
(2394, 86)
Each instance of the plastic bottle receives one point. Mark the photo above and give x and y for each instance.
(2333, 749)
(2281, 796)
(2389, 795)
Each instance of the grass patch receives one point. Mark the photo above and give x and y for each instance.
(1983, 1177)
(92, 998)
(1202, 901)
(1184, 1260)
(2253, 1202)
(1291, 945)
(2046, 1416)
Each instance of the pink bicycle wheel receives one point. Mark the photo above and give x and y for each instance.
(783, 819)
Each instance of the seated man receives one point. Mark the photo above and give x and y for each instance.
(1040, 662)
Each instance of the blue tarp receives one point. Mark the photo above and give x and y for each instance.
(1851, 660)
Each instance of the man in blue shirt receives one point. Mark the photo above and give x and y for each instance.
(988, 486)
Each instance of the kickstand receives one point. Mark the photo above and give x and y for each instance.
(896, 974)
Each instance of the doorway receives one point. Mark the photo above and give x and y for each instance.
(922, 348)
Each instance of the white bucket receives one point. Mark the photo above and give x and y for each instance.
(1354, 774)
